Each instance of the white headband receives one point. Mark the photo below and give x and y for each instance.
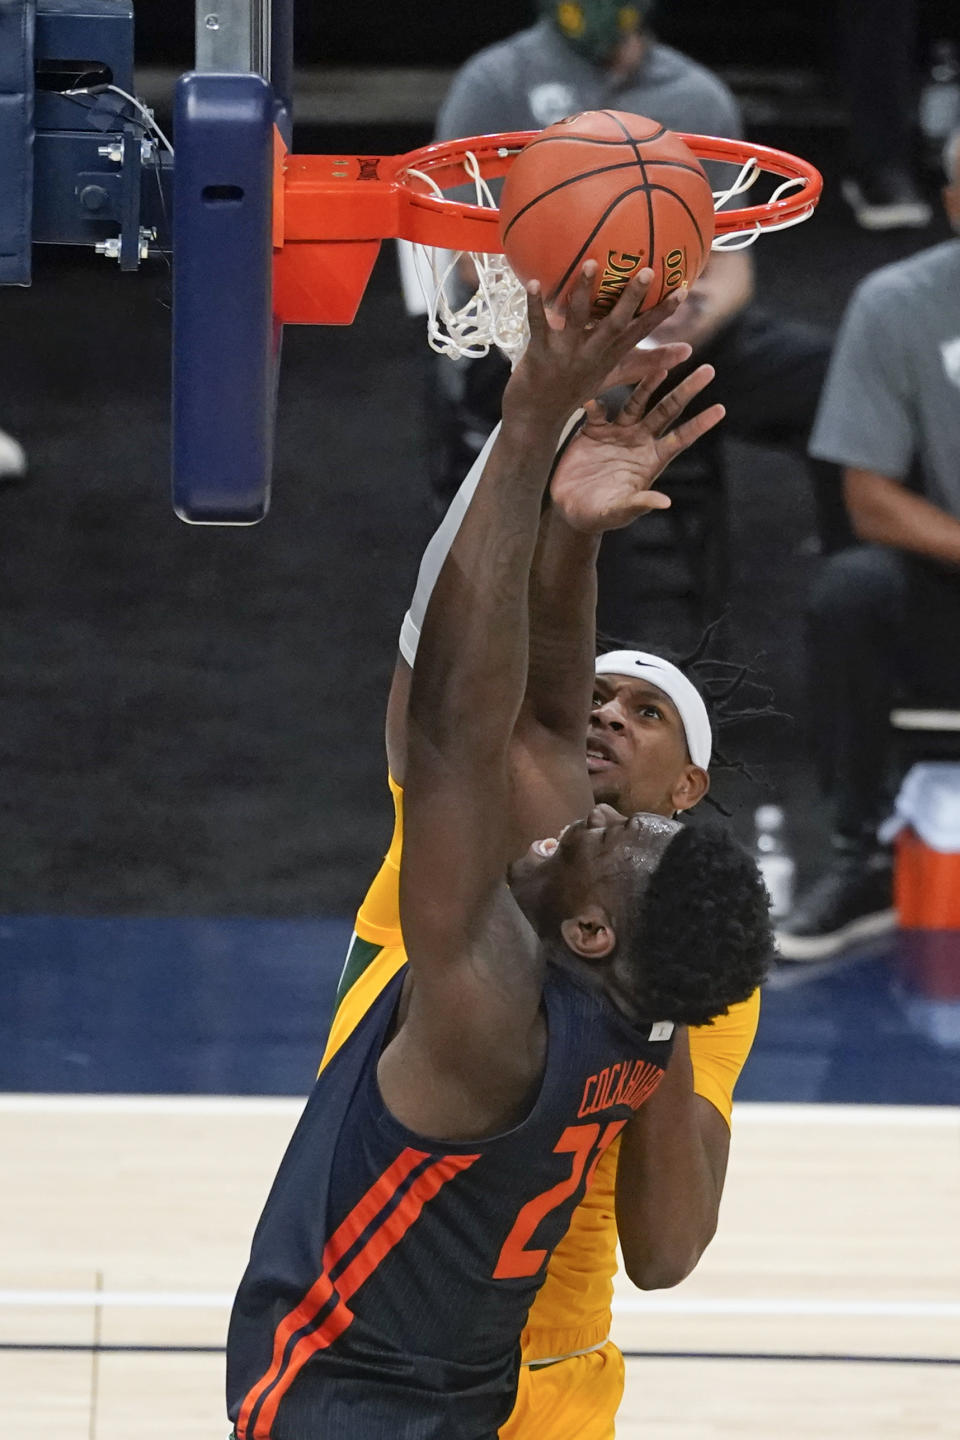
(673, 682)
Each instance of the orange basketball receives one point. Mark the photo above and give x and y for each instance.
(611, 187)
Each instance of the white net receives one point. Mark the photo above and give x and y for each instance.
(495, 314)
(496, 311)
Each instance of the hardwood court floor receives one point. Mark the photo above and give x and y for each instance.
(125, 1222)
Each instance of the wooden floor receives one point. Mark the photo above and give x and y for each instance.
(125, 1223)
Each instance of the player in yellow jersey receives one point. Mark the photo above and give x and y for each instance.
(648, 747)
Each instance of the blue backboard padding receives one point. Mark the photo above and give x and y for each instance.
(224, 352)
(17, 31)
(90, 30)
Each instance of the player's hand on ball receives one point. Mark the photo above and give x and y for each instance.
(603, 480)
(566, 365)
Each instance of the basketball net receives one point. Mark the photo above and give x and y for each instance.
(496, 312)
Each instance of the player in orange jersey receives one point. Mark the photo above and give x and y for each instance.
(649, 748)
(451, 1134)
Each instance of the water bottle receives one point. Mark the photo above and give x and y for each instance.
(774, 860)
(939, 110)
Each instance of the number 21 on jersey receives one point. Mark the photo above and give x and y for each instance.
(586, 1144)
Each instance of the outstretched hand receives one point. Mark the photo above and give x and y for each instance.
(565, 367)
(603, 480)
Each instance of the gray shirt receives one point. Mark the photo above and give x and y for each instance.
(533, 79)
(892, 392)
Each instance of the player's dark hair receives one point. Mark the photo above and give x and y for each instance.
(733, 695)
(701, 929)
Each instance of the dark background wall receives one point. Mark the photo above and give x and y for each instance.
(368, 32)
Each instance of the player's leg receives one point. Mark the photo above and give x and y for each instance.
(931, 625)
(855, 649)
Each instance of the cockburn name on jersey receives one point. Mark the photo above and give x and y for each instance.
(628, 1082)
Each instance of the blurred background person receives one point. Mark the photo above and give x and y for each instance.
(884, 614)
(601, 54)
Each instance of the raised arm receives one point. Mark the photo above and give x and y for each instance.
(558, 609)
(603, 481)
(431, 564)
(472, 658)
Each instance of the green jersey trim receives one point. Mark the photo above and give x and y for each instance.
(360, 956)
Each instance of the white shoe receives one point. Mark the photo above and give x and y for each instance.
(13, 458)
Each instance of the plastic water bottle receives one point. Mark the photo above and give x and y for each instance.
(774, 860)
(939, 110)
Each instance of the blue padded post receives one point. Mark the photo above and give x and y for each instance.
(17, 29)
(224, 348)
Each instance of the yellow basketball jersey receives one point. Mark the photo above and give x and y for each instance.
(572, 1309)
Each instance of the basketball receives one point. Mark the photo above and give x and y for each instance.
(611, 187)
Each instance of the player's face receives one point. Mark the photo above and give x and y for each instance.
(636, 745)
(601, 859)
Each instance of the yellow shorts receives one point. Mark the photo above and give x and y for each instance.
(576, 1399)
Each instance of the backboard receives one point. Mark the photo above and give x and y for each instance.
(231, 114)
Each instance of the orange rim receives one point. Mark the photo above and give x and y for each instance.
(432, 220)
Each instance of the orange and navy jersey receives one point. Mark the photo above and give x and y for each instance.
(572, 1309)
(391, 1275)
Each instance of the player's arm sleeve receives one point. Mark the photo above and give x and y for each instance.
(864, 419)
(718, 1053)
